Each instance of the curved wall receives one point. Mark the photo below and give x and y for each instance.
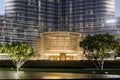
(59, 46)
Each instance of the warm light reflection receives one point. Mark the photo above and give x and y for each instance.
(50, 45)
(52, 54)
(71, 54)
(52, 77)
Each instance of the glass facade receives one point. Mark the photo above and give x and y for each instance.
(60, 15)
(54, 28)
(27, 18)
(2, 21)
(21, 20)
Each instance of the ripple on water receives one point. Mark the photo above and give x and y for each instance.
(49, 75)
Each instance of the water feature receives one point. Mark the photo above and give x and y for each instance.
(49, 75)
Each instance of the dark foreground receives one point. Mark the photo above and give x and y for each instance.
(48, 75)
(47, 64)
(44, 64)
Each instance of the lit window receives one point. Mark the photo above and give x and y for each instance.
(51, 0)
(91, 12)
(81, 18)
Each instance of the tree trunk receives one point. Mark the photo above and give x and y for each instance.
(102, 64)
(96, 63)
(19, 64)
(17, 69)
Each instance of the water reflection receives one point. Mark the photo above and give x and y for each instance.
(48, 75)
(16, 75)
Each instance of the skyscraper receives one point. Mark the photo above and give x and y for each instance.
(60, 15)
(56, 25)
